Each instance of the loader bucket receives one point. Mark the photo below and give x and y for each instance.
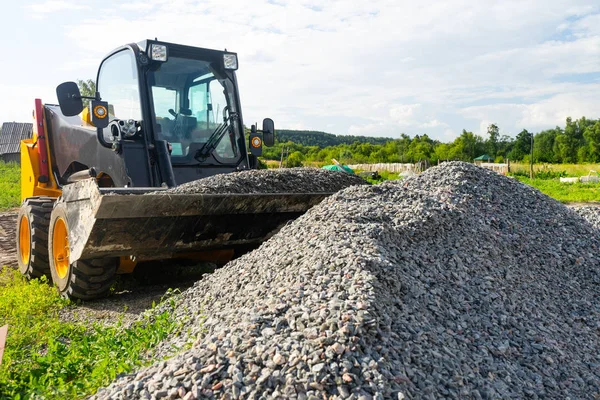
(152, 225)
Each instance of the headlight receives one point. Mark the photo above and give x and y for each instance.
(230, 61)
(158, 52)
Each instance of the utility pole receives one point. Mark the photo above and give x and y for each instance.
(281, 160)
(285, 150)
(287, 156)
(531, 159)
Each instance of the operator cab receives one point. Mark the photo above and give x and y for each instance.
(191, 100)
(172, 112)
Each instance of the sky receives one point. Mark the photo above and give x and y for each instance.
(374, 68)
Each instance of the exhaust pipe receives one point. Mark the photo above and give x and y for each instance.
(81, 175)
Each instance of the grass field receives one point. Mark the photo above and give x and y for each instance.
(51, 359)
(10, 186)
(547, 180)
(565, 192)
(560, 169)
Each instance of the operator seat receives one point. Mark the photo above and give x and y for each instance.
(184, 124)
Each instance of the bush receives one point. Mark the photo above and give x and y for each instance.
(549, 174)
(295, 159)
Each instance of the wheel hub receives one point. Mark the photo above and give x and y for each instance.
(60, 248)
(24, 240)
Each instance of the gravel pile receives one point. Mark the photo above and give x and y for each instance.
(457, 283)
(591, 214)
(286, 180)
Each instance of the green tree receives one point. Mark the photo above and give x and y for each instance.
(492, 141)
(578, 141)
(466, 147)
(592, 137)
(505, 145)
(521, 147)
(87, 88)
(561, 149)
(403, 144)
(543, 145)
(420, 148)
(442, 152)
(569, 142)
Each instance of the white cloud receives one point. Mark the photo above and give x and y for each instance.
(379, 66)
(555, 110)
(434, 123)
(137, 6)
(483, 127)
(21, 98)
(579, 101)
(404, 112)
(52, 6)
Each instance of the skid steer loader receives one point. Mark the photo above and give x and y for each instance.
(163, 114)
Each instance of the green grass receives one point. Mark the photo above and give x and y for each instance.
(562, 169)
(10, 185)
(384, 176)
(47, 358)
(565, 192)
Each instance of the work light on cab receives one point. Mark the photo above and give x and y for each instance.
(230, 61)
(158, 52)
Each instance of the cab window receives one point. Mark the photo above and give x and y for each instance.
(118, 85)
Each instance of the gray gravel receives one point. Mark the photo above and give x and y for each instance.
(286, 180)
(457, 283)
(590, 213)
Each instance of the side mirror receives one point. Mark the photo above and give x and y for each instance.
(69, 99)
(268, 129)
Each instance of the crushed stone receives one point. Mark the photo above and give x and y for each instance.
(456, 283)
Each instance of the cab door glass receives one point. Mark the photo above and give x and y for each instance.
(199, 105)
(164, 100)
(217, 101)
(118, 85)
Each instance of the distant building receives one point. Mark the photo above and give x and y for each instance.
(10, 140)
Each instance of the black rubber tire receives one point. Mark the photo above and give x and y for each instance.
(37, 210)
(85, 279)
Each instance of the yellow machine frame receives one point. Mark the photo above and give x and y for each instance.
(30, 162)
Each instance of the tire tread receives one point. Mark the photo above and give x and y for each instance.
(38, 210)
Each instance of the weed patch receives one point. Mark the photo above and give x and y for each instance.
(383, 176)
(10, 185)
(47, 358)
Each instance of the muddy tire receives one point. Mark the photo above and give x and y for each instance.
(81, 279)
(32, 236)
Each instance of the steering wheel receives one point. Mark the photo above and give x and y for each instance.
(173, 113)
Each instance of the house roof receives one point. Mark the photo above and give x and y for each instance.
(484, 157)
(11, 135)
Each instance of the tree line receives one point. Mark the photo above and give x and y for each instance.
(577, 142)
(323, 139)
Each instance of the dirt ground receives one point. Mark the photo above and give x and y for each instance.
(122, 306)
(8, 226)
